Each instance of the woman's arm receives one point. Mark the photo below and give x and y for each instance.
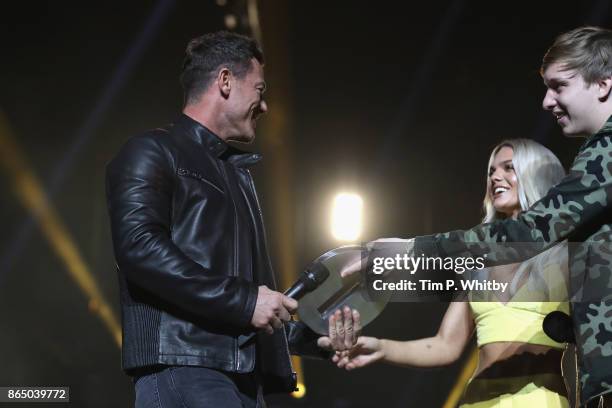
(442, 349)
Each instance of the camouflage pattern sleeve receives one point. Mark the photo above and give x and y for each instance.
(569, 211)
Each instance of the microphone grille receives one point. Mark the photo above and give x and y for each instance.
(316, 274)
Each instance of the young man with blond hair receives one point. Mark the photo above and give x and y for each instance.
(577, 72)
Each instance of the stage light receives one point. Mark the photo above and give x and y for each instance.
(230, 21)
(346, 217)
(301, 392)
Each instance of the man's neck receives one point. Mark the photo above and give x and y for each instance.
(207, 116)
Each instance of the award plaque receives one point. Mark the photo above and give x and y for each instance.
(335, 292)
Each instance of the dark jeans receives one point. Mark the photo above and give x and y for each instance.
(195, 387)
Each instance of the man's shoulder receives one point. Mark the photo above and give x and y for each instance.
(593, 163)
(599, 143)
(157, 136)
(151, 139)
(150, 145)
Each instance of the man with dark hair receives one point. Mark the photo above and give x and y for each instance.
(194, 272)
(206, 53)
(577, 72)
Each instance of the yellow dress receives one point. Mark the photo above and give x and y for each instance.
(521, 321)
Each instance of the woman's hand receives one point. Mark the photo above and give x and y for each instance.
(352, 350)
(366, 351)
(344, 329)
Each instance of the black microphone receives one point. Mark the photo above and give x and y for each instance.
(558, 326)
(308, 281)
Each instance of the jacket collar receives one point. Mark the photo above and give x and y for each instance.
(214, 144)
(606, 130)
(202, 135)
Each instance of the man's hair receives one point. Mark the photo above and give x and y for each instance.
(537, 170)
(207, 54)
(587, 50)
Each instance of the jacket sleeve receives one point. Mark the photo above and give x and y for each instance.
(139, 186)
(303, 341)
(571, 210)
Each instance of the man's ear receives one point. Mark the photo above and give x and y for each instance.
(605, 86)
(224, 81)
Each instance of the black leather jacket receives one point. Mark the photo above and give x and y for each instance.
(189, 242)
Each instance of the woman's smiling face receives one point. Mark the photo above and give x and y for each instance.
(503, 183)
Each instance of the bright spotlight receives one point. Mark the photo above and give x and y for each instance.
(346, 217)
(301, 392)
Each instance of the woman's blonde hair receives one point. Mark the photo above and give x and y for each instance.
(537, 170)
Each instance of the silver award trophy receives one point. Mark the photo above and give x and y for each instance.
(335, 292)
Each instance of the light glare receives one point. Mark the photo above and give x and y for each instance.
(346, 217)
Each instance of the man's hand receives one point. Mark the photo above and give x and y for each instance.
(344, 329)
(353, 265)
(272, 309)
(357, 263)
(352, 350)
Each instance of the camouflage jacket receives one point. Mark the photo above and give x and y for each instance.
(579, 210)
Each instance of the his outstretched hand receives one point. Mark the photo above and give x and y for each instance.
(344, 329)
(358, 263)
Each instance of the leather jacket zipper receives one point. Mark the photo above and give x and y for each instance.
(264, 239)
(235, 266)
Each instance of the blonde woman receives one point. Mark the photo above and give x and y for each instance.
(519, 365)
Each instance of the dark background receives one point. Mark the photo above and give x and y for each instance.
(399, 101)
